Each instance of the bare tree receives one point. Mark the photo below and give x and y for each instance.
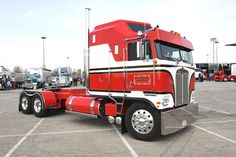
(55, 72)
(17, 69)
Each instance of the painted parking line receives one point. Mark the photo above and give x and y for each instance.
(2, 112)
(133, 153)
(9, 97)
(210, 132)
(16, 135)
(215, 110)
(213, 122)
(25, 136)
(70, 132)
(23, 139)
(226, 101)
(58, 132)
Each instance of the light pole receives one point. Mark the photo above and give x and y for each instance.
(44, 65)
(213, 40)
(207, 55)
(216, 42)
(67, 61)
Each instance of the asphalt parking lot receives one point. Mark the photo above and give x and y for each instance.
(71, 134)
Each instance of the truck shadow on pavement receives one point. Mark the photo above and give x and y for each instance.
(91, 121)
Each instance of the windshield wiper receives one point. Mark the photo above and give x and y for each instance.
(173, 59)
(176, 60)
(184, 60)
(187, 61)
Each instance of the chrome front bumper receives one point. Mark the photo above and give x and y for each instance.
(174, 120)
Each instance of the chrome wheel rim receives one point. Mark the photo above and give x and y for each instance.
(24, 103)
(142, 121)
(37, 105)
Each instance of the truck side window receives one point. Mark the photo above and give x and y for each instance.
(132, 51)
(148, 50)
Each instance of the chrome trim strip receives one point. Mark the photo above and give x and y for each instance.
(92, 106)
(71, 98)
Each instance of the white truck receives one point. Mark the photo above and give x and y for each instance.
(63, 78)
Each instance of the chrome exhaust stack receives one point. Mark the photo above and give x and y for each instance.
(86, 50)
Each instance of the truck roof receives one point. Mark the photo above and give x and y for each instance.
(123, 24)
(119, 30)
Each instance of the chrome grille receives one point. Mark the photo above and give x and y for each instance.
(182, 88)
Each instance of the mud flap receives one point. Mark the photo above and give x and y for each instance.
(123, 127)
(19, 108)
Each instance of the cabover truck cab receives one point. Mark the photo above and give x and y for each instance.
(138, 76)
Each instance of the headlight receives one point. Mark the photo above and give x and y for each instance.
(165, 101)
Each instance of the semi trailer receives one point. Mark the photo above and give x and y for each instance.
(138, 76)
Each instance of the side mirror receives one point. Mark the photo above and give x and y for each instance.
(140, 50)
(140, 34)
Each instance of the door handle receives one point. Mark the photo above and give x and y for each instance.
(130, 84)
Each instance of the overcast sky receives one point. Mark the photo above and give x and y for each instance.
(23, 22)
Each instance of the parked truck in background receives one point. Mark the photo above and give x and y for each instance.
(33, 81)
(64, 77)
(233, 72)
(43, 73)
(36, 78)
(138, 76)
(19, 78)
(227, 73)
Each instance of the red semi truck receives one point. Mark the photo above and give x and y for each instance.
(228, 74)
(138, 76)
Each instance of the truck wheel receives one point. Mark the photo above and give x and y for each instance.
(143, 122)
(38, 106)
(225, 79)
(232, 79)
(25, 104)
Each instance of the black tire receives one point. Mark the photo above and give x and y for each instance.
(25, 104)
(225, 79)
(38, 106)
(152, 127)
(232, 79)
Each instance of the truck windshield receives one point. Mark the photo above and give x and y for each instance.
(172, 52)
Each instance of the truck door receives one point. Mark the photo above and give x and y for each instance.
(140, 68)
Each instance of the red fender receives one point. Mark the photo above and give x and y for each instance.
(49, 99)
